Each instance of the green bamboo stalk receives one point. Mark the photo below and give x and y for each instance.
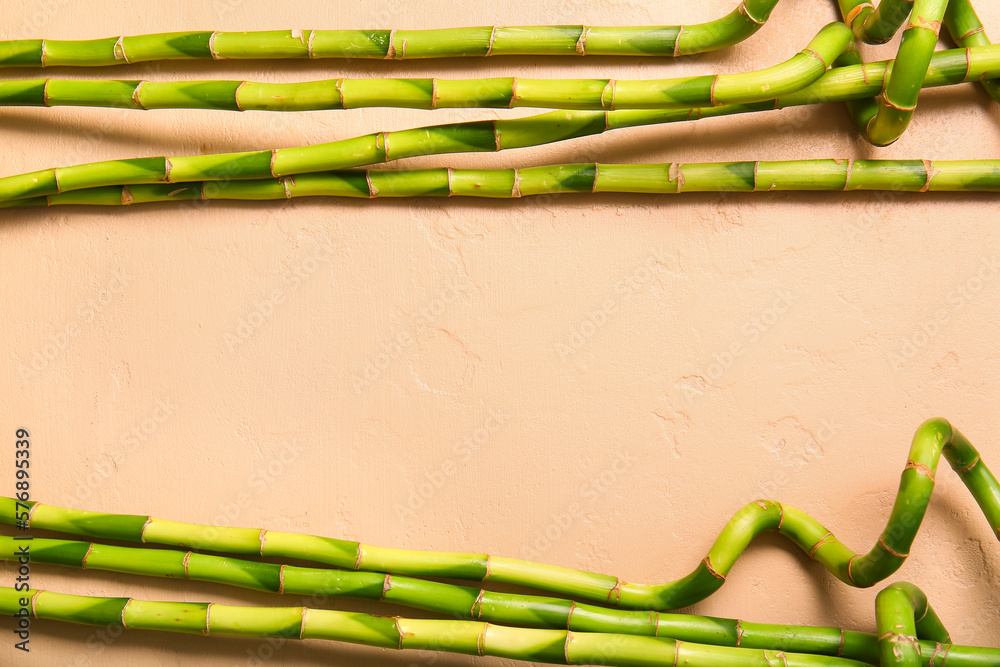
(829, 175)
(572, 40)
(875, 25)
(899, 99)
(902, 615)
(934, 437)
(452, 636)
(801, 70)
(967, 31)
(461, 602)
(844, 83)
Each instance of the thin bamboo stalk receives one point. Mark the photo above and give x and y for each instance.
(871, 24)
(572, 40)
(899, 98)
(967, 31)
(452, 636)
(934, 437)
(801, 70)
(844, 83)
(829, 175)
(462, 602)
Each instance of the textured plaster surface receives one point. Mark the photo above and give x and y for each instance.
(460, 375)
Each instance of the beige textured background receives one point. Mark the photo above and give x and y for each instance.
(315, 366)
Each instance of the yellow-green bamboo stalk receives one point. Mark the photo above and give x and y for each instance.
(933, 438)
(841, 84)
(801, 70)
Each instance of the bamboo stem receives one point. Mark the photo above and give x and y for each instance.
(844, 83)
(504, 92)
(462, 602)
(571, 40)
(452, 636)
(933, 438)
(967, 31)
(822, 175)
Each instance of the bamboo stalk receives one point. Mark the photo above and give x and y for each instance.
(466, 637)
(841, 84)
(899, 99)
(503, 92)
(822, 175)
(462, 602)
(967, 31)
(934, 437)
(482, 41)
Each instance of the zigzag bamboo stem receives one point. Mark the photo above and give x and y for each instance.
(660, 179)
(844, 83)
(467, 637)
(967, 31)
(498, 608)
(870, 24)
(505, 92)
(933, 438)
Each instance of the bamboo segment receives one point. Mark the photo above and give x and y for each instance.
(578, 40)
(841, 84)
(461, 602)
(467, 637)
(933, 438)
(505, 92)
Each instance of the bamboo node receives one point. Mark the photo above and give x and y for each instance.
(711, 570)
(142, 533)
(853, 14)
(610, 86)
(597, 174)
(820, 543)
(515, 193)
(840, 649)
(127, 603)
(742, 9)
(83, 563)
(847, 179)
(581, 43)
(931, 173)
(270, 166)
(654, 618)
(399, 631)
(493, 38)
(390, 53)
(302, 623)
(208, 614)
(167, 166)
(236, 95)
(211, 46)
(137, 100)
(451, 178)
(45, 92)
(917, 21)
(739, 632)
(677, 41)
(187, 560)
(886, 102)
(919, 467)
(513, 92)
(386, 586)
(357, 561)
(42, 59)
(711, 92)
(677, 652)
(481, 642)
(890, 550)
(287, 182)
(968, 64)
(31, 513)
(615, 592)
(814, 54)
(569, 638)
(477, 606)
(34, 609)
(309, 45)
(969, 467)
(970, 34)
(372, 194)
(119, 50)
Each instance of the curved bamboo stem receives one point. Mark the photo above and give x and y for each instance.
(461, 602)
(468, 637)
(933, 438)
(967, 31)
(504, 92)
(841, 84)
